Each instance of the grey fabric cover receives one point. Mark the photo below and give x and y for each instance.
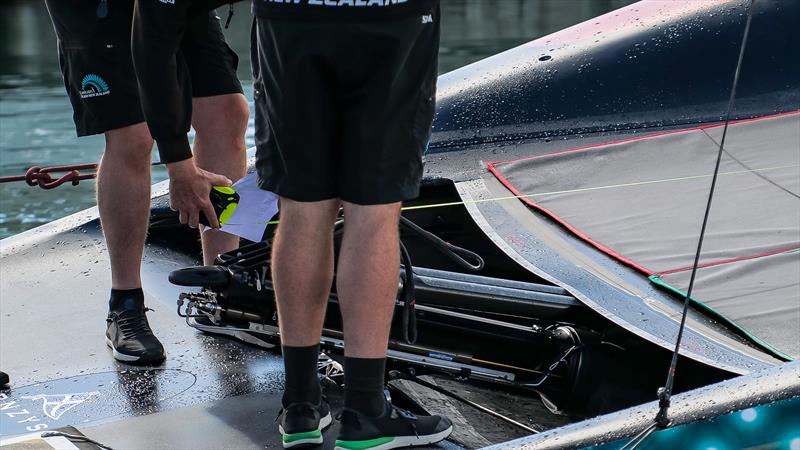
(643, 201)
(763, 294)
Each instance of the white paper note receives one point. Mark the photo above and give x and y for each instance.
(256, 208)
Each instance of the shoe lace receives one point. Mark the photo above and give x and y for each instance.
(132, 324)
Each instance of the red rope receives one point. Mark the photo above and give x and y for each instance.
(37, 176)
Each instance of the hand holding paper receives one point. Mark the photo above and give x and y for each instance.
(256, 208)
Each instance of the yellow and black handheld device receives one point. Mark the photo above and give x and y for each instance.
(224, 200)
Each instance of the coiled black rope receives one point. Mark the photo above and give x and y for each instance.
(457, 254)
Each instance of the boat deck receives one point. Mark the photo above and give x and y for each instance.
(210, 392)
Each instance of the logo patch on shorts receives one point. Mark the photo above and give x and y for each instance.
(427, 18)
(93, 86)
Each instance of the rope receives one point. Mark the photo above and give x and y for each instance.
(408, 298)
(37, 176)
(596, 188)
(743, 164)
(397, 375)
(662, 419)
(568, 191)
(457, 254)
(40, 176)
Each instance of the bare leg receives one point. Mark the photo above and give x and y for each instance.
(123, 198)
(302, 268)
(220, 122)
(367, 277)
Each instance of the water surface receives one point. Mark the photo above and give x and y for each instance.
(36, 126)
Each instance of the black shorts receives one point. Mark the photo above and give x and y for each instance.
(96, 62)
(344, 108)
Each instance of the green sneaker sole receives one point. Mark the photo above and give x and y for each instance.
(387, 443)
(313, 437)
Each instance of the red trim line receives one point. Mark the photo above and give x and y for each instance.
(647, 136)
(492, 167)
(566, 224)
(728, 261)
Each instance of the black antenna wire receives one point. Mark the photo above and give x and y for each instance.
(662, 419)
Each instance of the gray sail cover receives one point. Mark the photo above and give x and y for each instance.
(642, 201)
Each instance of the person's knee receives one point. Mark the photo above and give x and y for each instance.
(132, 144)
(372, 216)
(221, 116)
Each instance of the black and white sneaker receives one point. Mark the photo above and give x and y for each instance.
(259, 339)
(393, 429)
(302, 423)
(130, 338)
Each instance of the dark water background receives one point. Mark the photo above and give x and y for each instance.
(36, 118)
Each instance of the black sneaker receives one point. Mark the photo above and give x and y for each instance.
(302, 423)
(259, 339)
(130, 338)
(395, 428)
